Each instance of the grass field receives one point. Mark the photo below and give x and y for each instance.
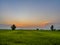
(29, 37)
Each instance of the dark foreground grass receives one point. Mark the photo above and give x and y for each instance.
(27, 37)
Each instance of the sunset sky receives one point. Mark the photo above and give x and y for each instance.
(30, 13)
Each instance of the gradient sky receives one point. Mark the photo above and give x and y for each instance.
(30, 13)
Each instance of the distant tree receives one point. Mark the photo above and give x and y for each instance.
(52, 27)
(13, 27)
(37, 29)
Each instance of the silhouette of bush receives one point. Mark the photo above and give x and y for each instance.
(13, 27)
(37, 29)
(58, 30)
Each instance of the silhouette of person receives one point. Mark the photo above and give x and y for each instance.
(13, 27)
(52, 27)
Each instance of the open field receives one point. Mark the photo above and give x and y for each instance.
(29, 37)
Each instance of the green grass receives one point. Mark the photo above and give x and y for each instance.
(29, 37)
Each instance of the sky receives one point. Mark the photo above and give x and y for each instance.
(30, 13)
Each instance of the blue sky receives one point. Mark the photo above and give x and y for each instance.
(30, 12)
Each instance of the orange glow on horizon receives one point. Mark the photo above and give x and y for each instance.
(44, 23)
(29, 24)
